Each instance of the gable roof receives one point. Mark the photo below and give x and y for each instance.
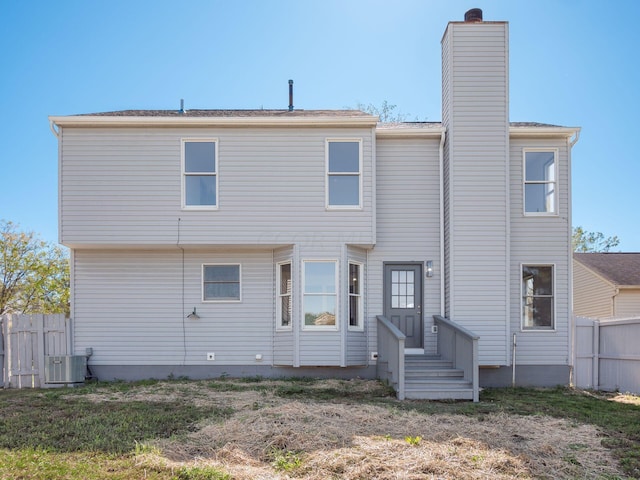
(621, 269)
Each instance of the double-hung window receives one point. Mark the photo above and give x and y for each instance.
(540, 182)
(284, 306)
(355, 296)
(537, 297)
(344, 173)
(221, 283)
(200, 173)
(320, 295)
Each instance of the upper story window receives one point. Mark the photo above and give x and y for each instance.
(221, 283)
(537, 297)
(320, 294)
(540, 182)
(200, 173)
(344, 172)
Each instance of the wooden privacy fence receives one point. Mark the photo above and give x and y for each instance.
(25, 340)
(607, 354)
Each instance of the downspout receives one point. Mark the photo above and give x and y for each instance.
(571, 327)
(442, 269)
(52, 126)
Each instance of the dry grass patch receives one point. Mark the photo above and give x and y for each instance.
(270, 437)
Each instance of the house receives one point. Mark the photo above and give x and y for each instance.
(606, 285)
(306, 242)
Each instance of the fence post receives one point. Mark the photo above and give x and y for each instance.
(596, 355)
(3, 368)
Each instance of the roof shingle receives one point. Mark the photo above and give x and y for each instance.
(619, 268)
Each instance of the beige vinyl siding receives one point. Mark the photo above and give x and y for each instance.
(541, 240)
(122, 186)
(129, 308)
(628, 303)
(408, 219)
(446, 170)
(592, 295)
(475, 113)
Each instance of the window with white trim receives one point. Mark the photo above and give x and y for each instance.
(537, 297)
(221, 283)
(319, 294)
(540, 193)
(344, 168)
(355, 296)
(199, 173)
(284, 307)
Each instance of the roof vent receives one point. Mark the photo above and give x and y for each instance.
(291, 95)
(181, 111)
(473, 15)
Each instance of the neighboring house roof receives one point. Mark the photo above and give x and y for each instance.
(621, 269)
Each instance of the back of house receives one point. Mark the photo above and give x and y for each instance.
(280, 242)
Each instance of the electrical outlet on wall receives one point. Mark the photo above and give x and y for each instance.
(211, 356)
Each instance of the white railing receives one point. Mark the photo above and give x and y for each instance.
(460, 346)
(390, 366)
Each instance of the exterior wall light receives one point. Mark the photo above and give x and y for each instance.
(429, 268)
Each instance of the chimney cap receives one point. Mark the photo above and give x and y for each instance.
(473, 15)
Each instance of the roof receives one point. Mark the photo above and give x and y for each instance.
(229, 113)
(282, 117)
(621, 269)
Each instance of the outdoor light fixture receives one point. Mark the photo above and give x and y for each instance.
(429, 269)
(193, 315)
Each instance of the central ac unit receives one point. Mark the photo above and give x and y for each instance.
(65, 369)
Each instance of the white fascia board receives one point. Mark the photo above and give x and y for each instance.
(143, 121)
(532, 131)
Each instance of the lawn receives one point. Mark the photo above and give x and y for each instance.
(312, 429)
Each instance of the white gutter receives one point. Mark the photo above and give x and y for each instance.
(408, 132)
(441, 166)
(266, 121)
(515, 131)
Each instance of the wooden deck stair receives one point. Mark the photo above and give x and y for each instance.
(429, 377)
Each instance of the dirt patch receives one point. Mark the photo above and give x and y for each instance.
(271, 437)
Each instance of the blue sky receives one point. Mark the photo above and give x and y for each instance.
(572, 63)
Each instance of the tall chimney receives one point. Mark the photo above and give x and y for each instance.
(475, 112)
(291, 95)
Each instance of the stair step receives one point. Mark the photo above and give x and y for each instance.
(428, 363)
(439, 394)
(437, 382)
(433, 372)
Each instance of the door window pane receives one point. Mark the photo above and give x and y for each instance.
(402, 289)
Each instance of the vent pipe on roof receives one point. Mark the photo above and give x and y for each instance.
(181, 111)
(291, 95)
(473, 15)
